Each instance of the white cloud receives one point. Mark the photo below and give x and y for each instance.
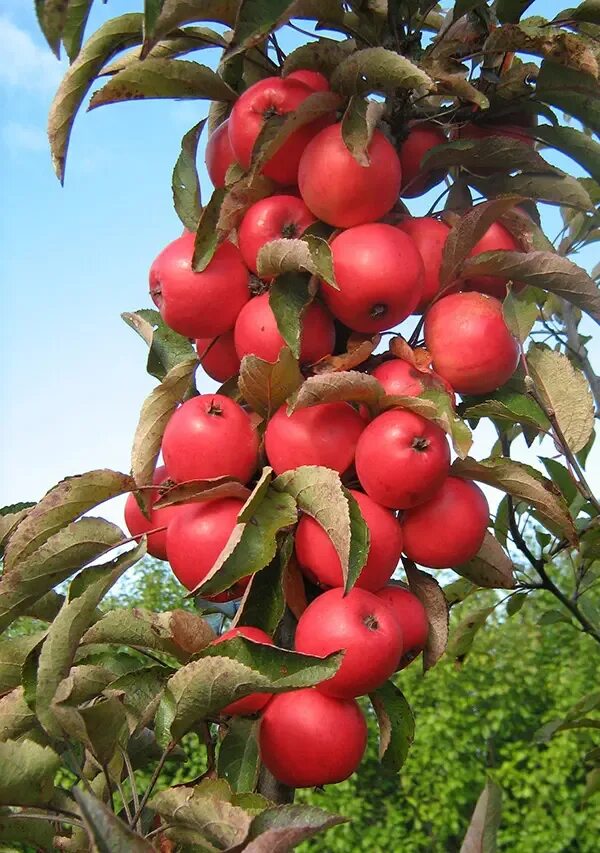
(23, 138)
(24, 64)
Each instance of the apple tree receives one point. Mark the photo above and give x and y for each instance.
(358, 339)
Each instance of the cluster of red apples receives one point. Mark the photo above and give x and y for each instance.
(400, 461)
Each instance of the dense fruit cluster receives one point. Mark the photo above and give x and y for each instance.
(398, 461)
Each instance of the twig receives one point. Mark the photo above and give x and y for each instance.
(211, 761)
(111, 800)
(126, 808)
(49, 817)
(281, 57)
(157, 771)
(132, 782)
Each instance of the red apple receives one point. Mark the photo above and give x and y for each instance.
(218, 356)
(421, 139)
(429, 236)
(269, 219)
(219, 154)
(137, 523)
(412, 618)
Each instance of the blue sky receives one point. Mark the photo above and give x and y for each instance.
(74, 258)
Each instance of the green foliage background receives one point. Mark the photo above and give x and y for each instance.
(482, 716)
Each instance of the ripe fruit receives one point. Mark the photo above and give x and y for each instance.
(496, 238)
(401, 459)
(339, 190)
(412, 617)
(271, 219)
(380, 275)
(429, 236)
(361, 624)
(199, 304)
(256, 332)
(219, 154)
(218, 356)
(255, 701)
(270, 97)
(210, 436)
(313, 79)
(449, 528)
(325, 434)
(308, 739)
(137, 523)
(319, 560)
(470, 344)
(419, 141)
(196, 537)
(401, 378)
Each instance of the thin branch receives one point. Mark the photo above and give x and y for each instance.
(132, 782)
(157, 771)
(126, 808)
(48, 817)
(211, 761)
(111, 799)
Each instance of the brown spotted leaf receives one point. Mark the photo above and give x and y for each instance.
(490, 567)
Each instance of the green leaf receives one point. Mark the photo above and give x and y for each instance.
(570, 90)
(491, 567)
(525, 484)
(565, 391)
(152, 10)
(253, 541)
(396, 725)
(280, 828)
(203, 814)
(238, 760)
(324, 55)
(576, 144)
(57, 559)
(485, 822)
(515, 603)
(256, 19)
(229, 671)
(189, 39)
(432, 597)
(346, 385)
(10, 518)
(479, 156)
(520, 312)
(13, 651)
(154, 417)
(358, 125)
(167, 349)
(202, 490)
(263, 602)
(16, 717)
(289, 296)
(60, 645)
(266, 386)
(530, 38)
(380, 71)
(77, 16)
(208, 235)
(561, 190)
(551, 617)
(28, 771)
(469, 229)
(307, 254)
(113, 36)
(139, 693)
(319, 493)
(64, 503)
(510, 11)
(456, 85)
(185, 183)
(465, 632)
(163, 78)
(176, 632)
(175, 13)
(52, 17)
(588, 11)
(108, 833)
(507, 406)
(99, 726)
(561, 477)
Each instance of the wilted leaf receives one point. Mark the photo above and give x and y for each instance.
(167, 348)
(229, 671)
(358, 125)
(28, 771)
(491, 567)
(572, 91)
(154, 416)
(432, 597)
(108, 833)
(334, 387)
(199, 815)
(564, 48)
(485, 822)
(280, 828)
(185, 183)
(289, 297)
(464, 633)
(176, 632)
(307, 254)
(196, 491)
(320, 494)
(57, 559)
(64, 503)
(266, 386)
(457, 85)
(376, 69)
(396, 725)
(253, 541)
(469, 229)
(238, 760)
(359, 348)
(497, 153)
(525, 484)
(565, 391)
(163, 78)
(58, 650)
(114, 35)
